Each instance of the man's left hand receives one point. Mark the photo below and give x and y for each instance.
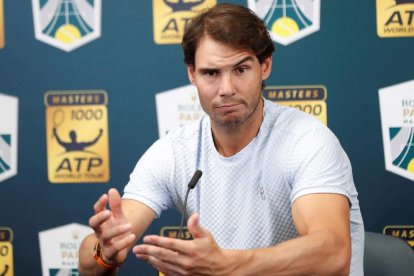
(200, 256)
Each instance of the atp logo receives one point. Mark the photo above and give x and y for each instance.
(67, 24)
(77, 136)
(395, 18)
(171, 17)
(397, 118)
(288, 20)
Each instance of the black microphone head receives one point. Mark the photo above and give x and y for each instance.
(194, 179)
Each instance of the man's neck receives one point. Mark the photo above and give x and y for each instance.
(231, 140)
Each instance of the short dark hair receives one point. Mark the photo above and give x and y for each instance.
(233, 25)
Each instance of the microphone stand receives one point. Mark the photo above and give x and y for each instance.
(191, 185)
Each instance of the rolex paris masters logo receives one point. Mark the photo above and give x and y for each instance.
(8, 136)
(397, 119)
(67, 24)
(288, 20)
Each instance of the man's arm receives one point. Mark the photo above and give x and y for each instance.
(60, 142)
(116, 229)
(323, 248)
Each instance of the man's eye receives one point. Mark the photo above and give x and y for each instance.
(241, 70)
(211, 73)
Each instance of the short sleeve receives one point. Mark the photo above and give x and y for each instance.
(320, 164)
(149, 180)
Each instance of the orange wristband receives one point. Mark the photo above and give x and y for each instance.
(97, 255)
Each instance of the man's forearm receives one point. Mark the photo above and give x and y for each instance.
(87, 264)
(319, 253)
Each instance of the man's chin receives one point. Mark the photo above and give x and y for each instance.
(229, 122)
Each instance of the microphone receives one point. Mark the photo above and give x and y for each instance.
(191, 185)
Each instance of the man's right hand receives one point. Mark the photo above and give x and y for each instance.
(116, 229)
(112, 229)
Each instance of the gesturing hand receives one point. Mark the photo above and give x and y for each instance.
(200, 256)
(112, 228)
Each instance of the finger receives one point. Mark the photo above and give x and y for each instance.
(195, 228)
(158, 252)
(98, 219)
(145, 251)
(100, 205)
(116, 231)
(163, 266)
(115, 203)
(168, 243)
(112, 248)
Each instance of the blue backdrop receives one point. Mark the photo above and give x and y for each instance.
(346, 56)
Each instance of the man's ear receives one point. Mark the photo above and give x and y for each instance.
(191, 73)
(266, 67)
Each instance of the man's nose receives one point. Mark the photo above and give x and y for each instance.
(226, 85)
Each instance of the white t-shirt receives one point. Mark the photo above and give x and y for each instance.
(245, 200)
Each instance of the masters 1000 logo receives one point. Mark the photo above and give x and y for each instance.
(307, 98)
(77, 136)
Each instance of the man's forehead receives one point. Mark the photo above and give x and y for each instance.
(208, 40)
(212, 53)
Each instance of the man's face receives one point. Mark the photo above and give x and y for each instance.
(229, 82)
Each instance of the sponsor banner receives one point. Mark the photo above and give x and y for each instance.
(6, 252)
(8, 136)
(177, 107)
(77, 136)
(395, 18)
(310, 99)
(171, 17)
(397, 120)
(405, 232)
(1, 26)
(172, 232)
(288, 20)
(67, 24)
(59, 249)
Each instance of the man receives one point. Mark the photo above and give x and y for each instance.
(276, 196)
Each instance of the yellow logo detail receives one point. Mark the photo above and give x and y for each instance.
(405, 232)
(1, 25)
(285, 27)
(395, 18)
(68, 34)
(171, 17)
(310, 99)
(172, 232)
(6, 252)
(77, 136)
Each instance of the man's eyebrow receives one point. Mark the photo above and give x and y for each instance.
(243, 60)
(206, 69)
